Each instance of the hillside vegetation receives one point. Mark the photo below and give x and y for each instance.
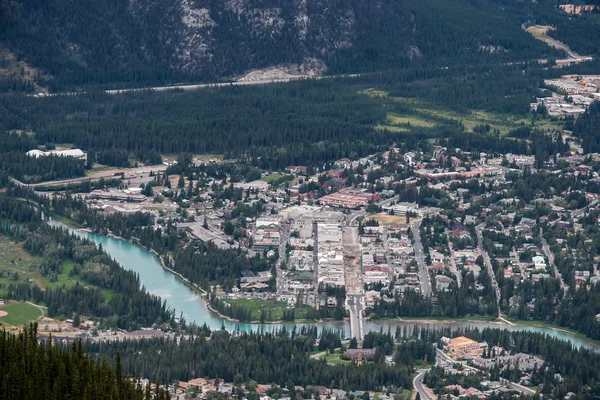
(75, 43)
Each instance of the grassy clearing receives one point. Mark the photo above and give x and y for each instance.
(335, 359)
(20, 313)
(67, 221)
(16, 265)
(421, 114)
(539, 31)
(396, 119)
(391, 128)
(387, 219)
(277, 178)
(276, 308)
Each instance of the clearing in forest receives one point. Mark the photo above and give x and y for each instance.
(18, 314)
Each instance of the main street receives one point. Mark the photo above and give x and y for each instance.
(488, 264)
(354, 281)
(420, 258)
(283, 240)
(354, 302)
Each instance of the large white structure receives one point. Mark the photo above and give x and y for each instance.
(76, 153)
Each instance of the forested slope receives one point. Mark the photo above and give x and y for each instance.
(73, 43)
(30, 370)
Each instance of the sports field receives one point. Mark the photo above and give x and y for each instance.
(18, 314)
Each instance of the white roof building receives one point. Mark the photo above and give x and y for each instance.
(76, 153)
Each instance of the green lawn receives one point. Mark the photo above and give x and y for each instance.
(335, 359)
(275, 307)
(67, 221)
(277, 178)
(20, 314)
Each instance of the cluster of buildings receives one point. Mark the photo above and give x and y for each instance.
(349, 199)
(266, 234)
(571, 95)
(467, 357)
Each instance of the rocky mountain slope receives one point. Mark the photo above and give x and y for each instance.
(78, 42)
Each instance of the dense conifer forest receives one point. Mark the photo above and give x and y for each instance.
(30, 370)
(299, 123)
(153, 42)
(271, 358)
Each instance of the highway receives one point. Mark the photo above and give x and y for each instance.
(420, 258)
(129, 173)
(204, 85)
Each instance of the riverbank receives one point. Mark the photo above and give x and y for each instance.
(446, 320)
(545, 325)
(186, 298)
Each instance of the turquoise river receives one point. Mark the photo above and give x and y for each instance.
(186, 301)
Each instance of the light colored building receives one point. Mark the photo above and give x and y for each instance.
(75, 153)
(463, 347)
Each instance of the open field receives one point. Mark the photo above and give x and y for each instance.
(421, 114)
(20, 313)
(335, 359)
(277, 178)
(275, 307)
(387, 219)
(17, 265)
(396, 119)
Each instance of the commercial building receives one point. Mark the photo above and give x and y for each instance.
(463, 347)
(266, 233)
(348, 199)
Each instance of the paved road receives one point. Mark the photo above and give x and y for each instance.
(204, 85)
(550, 256)
(488, 264)
(420, 258)
(354, 302)
(110, 173)
(280, 278)
(352, 219)
(454, 268)
(418, 385)
(316, 255)
(443, 360)
(521, 389)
